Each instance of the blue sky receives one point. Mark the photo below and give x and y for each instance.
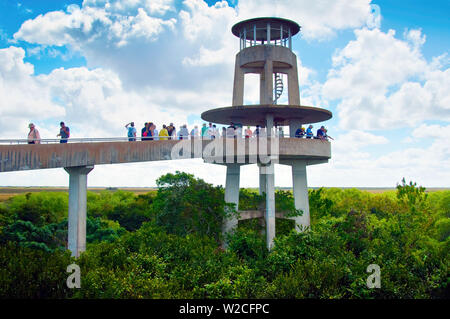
(97, 62)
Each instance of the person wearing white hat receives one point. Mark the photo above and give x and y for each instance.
(33, 136)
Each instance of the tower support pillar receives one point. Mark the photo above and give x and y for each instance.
(231, 195)
(268, 171)
(300, 191)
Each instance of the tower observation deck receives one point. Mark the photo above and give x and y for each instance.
(265, 48)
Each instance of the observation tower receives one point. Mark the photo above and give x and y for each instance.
(266, 49)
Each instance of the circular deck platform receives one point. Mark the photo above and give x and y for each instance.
(256, 114)
(261, 28)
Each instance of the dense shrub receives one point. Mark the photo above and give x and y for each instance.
(185, 205)
(33, 273)
(167, 244)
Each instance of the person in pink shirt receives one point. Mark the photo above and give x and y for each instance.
(33, 135)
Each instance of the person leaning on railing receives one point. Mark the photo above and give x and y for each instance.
(33, 136)
(322, 134)
(300, 132)
(309, 132)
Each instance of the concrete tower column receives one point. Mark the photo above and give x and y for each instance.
(262, 180)
(293, 126)
(232, 194)
(300, 191)
(293, 86)
(269, 124)
(266, 83)
(238, 88)
(77, 208)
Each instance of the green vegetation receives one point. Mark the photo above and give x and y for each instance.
(166, 244)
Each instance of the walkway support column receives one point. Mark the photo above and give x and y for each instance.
(300, 190)
(231, 196)
(77, 208)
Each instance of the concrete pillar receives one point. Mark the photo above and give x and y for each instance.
(293, 126)
(262, 180)
(266, 83)
(270, 205)
(269, 124)
(238, 88)
(300, 191)
(231, 195)
(77, 208)
(262, 87)
(293, 86)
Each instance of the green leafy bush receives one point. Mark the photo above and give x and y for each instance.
(167, 244)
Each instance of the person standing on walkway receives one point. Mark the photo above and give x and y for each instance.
(151, 128)
(194, 132)
(210, 131)
(155, 134)
(248, 132)
(204, 130)
(144, 131)
(33, 136)
(131, 131)
(163, 133)
(309, 132)
(172, 132)
(184, 133)
(64, 132)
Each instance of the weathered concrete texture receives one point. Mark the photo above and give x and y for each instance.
(41, 156)
(251, 214)
(300, 191)
(270, 205)
(256, 56)
(231, 196)
(77, 208)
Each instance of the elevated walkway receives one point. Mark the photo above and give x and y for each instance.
(42, 156)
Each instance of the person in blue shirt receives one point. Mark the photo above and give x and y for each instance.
(131, 131)
(64, 132)
(320, 133)
(300, 132)
(309, 132)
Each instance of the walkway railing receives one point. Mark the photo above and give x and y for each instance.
(106, 139)
(69, 140)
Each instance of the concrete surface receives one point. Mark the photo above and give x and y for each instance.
(42, 156)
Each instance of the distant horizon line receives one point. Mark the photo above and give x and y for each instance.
(279, 187)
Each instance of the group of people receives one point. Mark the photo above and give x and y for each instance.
(321, 133)
(35, 138)
(150, 132)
